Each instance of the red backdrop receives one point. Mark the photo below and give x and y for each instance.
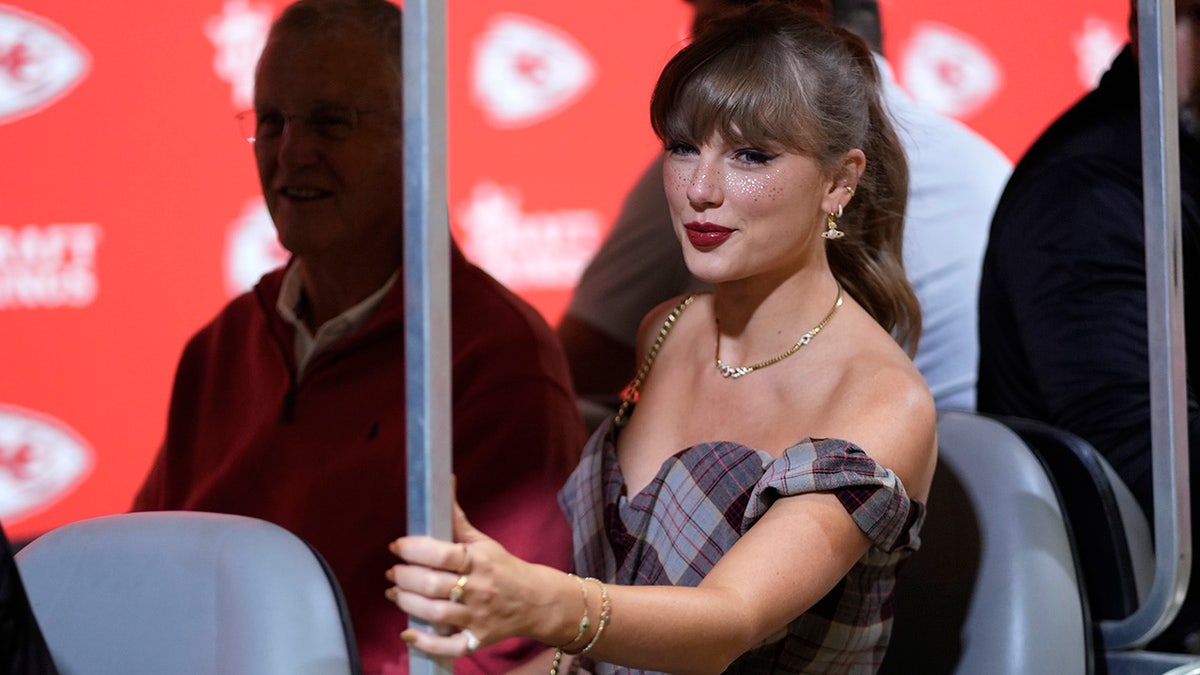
(129, 208)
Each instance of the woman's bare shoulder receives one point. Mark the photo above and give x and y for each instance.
(886, 407)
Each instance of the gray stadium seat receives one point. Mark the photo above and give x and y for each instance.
(1112, 538)
(187, 594)
(994, 587)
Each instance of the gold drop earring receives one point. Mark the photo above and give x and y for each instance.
(832, 231)
(831, 223)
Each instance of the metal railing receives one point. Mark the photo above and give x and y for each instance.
(1167, 345)
(426, 281)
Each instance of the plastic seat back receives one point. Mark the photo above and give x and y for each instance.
(188, 594)
(1112, 536)
(994, 587)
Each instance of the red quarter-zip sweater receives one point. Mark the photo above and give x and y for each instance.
(323, 455)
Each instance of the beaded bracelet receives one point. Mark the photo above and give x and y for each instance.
(558, 654)
(584, 623)
(605, 614)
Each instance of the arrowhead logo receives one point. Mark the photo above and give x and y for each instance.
(41, 461)
(949, 71)
(525, 71)
(1096, 43)
(238, 34)
(251, 248)
(39, 63)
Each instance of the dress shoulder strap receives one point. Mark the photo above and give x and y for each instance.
(631, 392)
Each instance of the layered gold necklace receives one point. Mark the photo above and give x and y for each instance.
(735, 372)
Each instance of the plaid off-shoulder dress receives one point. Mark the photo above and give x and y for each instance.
(706, 496)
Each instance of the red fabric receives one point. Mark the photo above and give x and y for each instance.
(324, 457)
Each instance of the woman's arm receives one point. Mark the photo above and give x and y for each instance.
(787, 561)
(780, 568)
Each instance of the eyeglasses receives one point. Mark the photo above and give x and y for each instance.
(329, 122)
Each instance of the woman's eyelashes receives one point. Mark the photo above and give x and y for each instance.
(680, 148)
(753, 156)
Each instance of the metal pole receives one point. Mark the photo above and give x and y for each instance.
(1167, 345)
(426, 281)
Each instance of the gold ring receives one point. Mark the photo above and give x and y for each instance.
(460, 586)
(466, 563)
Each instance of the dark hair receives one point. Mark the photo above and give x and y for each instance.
(860, 17)
(770, 76)
(721, 8)
(378, 18)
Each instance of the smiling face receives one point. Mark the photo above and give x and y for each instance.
(335, 198)
(768, 116)
(742, 211)
(757, 156)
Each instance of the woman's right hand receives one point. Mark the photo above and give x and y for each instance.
(474, 593)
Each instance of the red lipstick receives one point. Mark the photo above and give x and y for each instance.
(706, 235)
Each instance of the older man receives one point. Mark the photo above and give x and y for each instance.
(290, 404)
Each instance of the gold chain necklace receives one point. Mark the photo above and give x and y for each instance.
(735, 372)
(631, 392)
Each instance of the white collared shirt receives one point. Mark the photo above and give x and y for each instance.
(308, 346)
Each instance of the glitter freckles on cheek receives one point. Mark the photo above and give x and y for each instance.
(754, 187)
